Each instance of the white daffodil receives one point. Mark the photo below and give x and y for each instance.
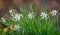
(43, 15)
(30, 15)
(54, 12)
(17, 27)
(17, 17)
(3, 20)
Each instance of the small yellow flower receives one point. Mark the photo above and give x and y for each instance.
(5, 29)
(11, 27)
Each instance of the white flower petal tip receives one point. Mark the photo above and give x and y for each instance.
(43, 15)
(54, 12)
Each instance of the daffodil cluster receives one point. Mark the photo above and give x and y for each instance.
(28, 22)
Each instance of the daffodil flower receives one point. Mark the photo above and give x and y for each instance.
(30, 15)
(54, 12)
(17, 17)
(43, 15)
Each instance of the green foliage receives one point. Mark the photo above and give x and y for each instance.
(34, 26)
